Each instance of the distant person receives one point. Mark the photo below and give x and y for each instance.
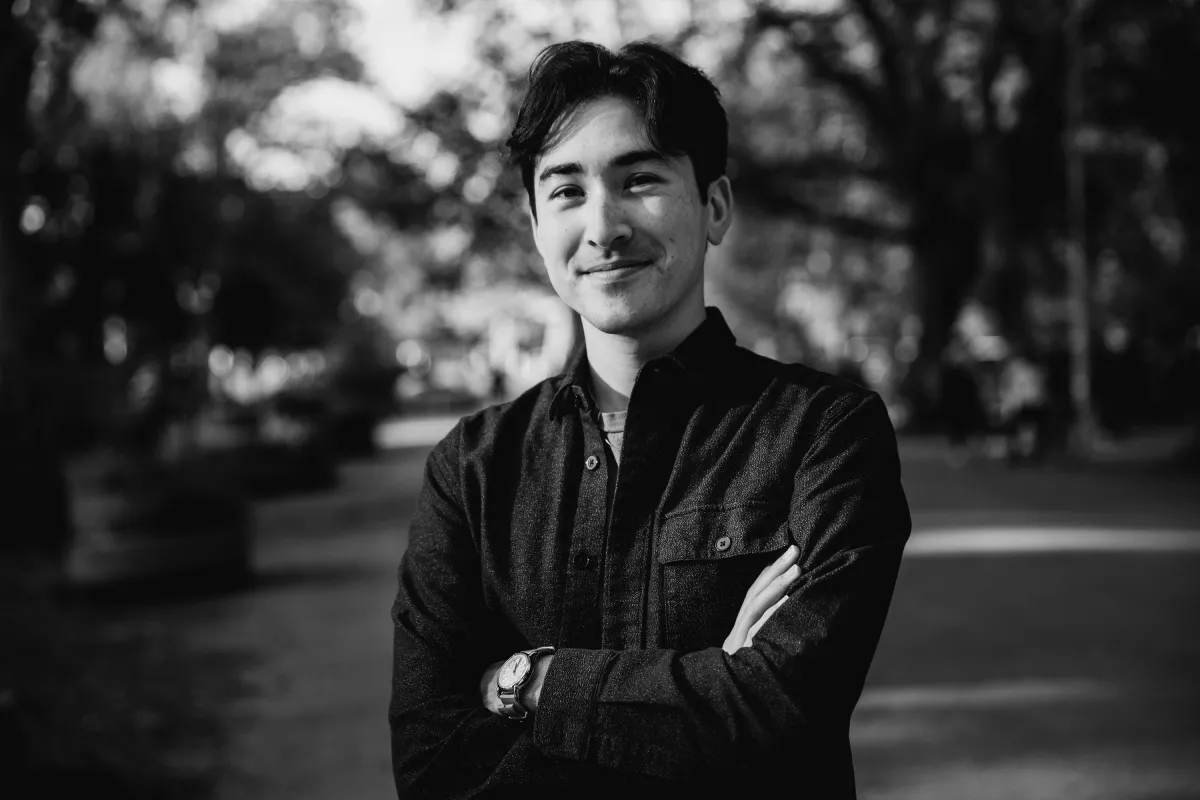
(1023, 406)
(962, 407)
(668, 567)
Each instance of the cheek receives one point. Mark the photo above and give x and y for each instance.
(679, 220)
(558, 279)
(555, 262)
(547, 244)
(558, 241)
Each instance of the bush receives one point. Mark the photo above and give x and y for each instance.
(268, 469)
(345, 410)
(359, 388)
(34, 495)
(184, 496)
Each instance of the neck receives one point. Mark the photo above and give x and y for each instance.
(614, 359)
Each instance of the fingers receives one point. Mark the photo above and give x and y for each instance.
(772, 571)
(768, 597)
(770, 585)
(763, 619)
(755, 607)
(487, 687)
(771, 595)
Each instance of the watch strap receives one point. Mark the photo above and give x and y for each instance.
(510, 700)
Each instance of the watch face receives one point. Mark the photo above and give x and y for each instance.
(513, 671)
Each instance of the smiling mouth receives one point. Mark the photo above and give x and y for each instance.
(616, 267)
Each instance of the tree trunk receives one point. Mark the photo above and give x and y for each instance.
(1079, 297)
(17, 48)
(35, 503)
(946, 262)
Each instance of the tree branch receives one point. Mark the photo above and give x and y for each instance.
(928, 89)
(891, 49)
(820, 52)
(778, 189)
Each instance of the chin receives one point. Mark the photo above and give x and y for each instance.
(621, 320)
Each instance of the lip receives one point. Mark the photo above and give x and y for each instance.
(619, 265)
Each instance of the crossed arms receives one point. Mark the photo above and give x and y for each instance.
(765, 595)
(785, 686)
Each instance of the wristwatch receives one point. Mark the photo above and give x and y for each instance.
(512, 677)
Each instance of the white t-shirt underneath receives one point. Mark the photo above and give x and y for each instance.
(613, 426)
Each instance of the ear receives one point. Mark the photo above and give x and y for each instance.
(720, 209)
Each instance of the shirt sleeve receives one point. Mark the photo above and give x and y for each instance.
(444, 742)
(675, 715)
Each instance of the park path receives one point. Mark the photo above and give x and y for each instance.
(311, 722)
(993, 672)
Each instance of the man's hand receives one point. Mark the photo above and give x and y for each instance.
(530, 693)
(768, 593)
(487, 688)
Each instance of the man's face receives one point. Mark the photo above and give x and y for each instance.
(622, 229)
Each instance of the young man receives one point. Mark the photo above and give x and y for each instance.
(671, 564)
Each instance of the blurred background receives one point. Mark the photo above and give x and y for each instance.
(257, 256)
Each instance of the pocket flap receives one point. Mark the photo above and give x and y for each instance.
(710, 532)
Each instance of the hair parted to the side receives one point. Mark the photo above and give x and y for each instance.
(680, 105)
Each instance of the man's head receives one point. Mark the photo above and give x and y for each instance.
(623, 158)
(680, 106)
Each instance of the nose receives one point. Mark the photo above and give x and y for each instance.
(607, 227)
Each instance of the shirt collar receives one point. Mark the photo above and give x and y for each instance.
(698, 360)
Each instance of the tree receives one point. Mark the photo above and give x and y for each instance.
(928, 135)
(133, 225)
(957, 119)
(29, 469)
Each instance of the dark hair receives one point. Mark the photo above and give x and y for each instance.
(681, 106)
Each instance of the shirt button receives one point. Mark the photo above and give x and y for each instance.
(591, 462)
(582, 561)
(723, 543)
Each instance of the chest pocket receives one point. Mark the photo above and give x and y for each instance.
(708, 558)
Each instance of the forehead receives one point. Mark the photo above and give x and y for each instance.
(594, 130)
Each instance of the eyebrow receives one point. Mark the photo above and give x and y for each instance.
(623, 160)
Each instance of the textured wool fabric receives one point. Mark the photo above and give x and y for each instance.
(729, 458)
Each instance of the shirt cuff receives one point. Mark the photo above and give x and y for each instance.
(562, 724)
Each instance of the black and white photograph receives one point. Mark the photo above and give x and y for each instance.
(407, 399)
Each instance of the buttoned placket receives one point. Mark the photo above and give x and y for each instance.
(654, 425)
(581, 623)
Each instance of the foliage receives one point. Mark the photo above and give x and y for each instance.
(897, 158)
(949, 120)
(359, 387)
(193, 494)
(928, 137)
(135, 233)
(129, 212)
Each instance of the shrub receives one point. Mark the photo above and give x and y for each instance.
(183, 496)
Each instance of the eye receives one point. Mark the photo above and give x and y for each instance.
(643, 179)
(566, 193)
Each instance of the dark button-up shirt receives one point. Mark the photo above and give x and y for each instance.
(527, 534)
